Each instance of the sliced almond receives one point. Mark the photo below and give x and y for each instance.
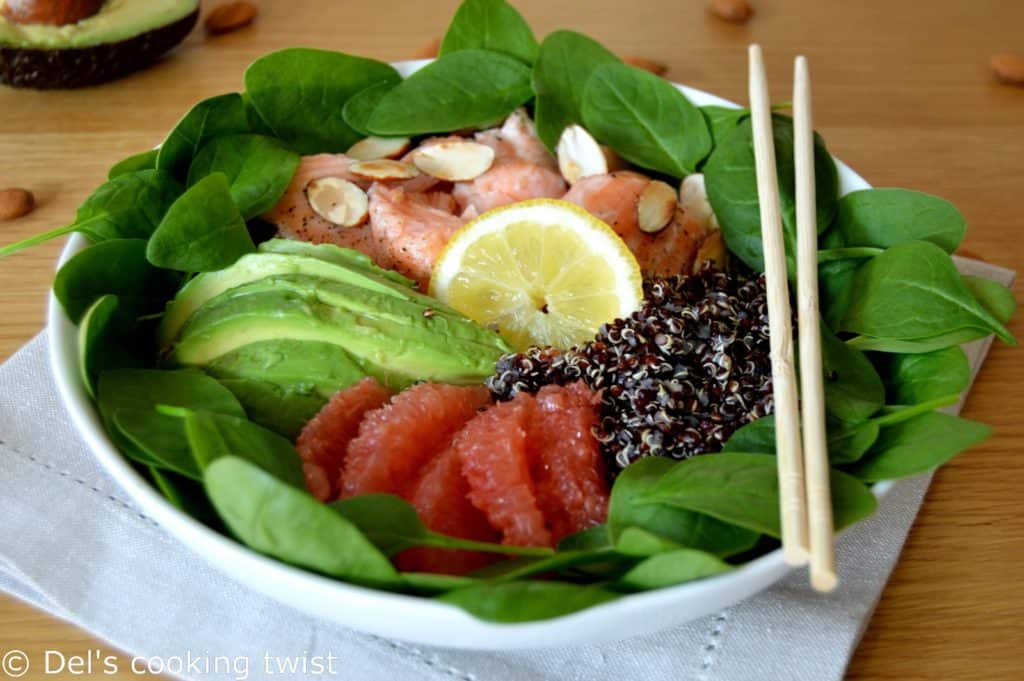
(579, 155)
(338, 201)
(383, 169)
(712, 253)
(454, 160)
(372, 148)
(693, 197)
(655, 207)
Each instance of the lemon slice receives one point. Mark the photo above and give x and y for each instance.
(542, 272)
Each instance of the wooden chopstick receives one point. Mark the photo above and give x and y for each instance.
(812, 391)
(792, 502)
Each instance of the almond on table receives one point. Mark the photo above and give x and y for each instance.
(1008, 67)
(231, 17)
(15, 203)
(733, 11)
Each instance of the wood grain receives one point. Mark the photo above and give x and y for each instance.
(902, 93)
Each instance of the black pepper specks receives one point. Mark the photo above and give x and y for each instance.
(677, 377)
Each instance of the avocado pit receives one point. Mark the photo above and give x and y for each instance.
(50, 12)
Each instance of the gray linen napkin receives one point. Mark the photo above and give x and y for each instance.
(72, 543)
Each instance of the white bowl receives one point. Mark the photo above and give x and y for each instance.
(414, 619)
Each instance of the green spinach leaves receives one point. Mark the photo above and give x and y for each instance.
(202, 231)
(564, 64)
(911, 299)
(300, 94)
(469, 88)
(490, 25)
(645, 119)
(731, 182)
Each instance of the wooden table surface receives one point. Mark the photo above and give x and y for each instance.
(902, 93)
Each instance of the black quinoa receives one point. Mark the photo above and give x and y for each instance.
(677, 377)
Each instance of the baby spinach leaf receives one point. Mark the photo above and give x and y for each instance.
(993, 296)
(258, 169)
(645, 119)
(918, 445)
(590, 539)
(887, 217)
(522, 568)
(300, 94)
(186, 495)
(430, 583)
(142, 390)
(526, 601)
(912, 379)
(722, 120)
(684, 527)
(202, 231)
(101, 341)
(465, 89)
(287, 523)
(160, 437)
(634, 541)
(835, 288)
(848, 253)
(853, 388)
(127, 207)
(917, 345)
(146, 388)
(117, 266)
(490, 25)
(846, 442)
(393, 525)
(668, 569)
(361, 105)
(898, 413)
(212, 436)
(731, 181)
(144, 161)
(913, 292)
(743, 489)
(210, 118)
(564, 64)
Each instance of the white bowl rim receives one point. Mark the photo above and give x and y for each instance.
(206, 542)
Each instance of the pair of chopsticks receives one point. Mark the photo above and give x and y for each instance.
(804, 496)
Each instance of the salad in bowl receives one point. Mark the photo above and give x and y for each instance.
(474, 351)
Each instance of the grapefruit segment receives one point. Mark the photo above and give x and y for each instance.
(492, 448)
(441, 499)
(397, 440)
(567, 467)
(323, 441)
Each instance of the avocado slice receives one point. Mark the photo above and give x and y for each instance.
(278, 408)
(284, 257)
(123, 37)
(385, 334)
(346, 257)
(284, 383)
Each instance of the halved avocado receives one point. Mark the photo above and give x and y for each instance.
(122, 37)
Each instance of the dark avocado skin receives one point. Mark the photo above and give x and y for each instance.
(80, 67)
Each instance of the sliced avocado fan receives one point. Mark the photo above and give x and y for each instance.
(288, 326)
